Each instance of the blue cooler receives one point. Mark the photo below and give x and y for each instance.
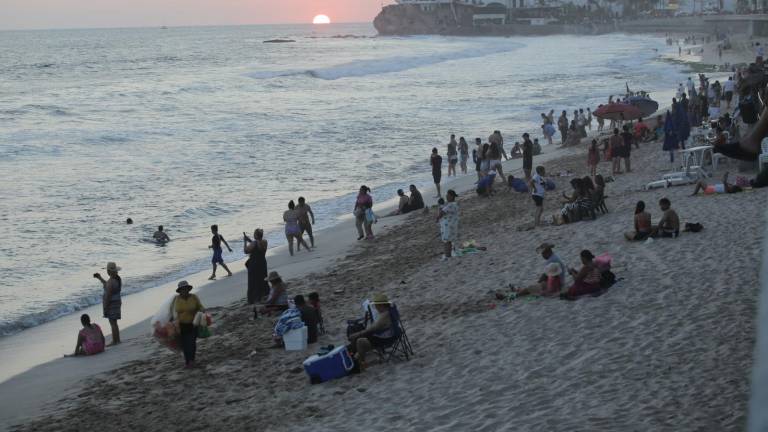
(335, 364)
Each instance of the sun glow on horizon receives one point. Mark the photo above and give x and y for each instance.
(321, 19)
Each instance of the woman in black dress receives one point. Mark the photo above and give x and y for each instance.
(256, 265)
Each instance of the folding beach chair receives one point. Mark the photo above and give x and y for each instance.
(401, 347)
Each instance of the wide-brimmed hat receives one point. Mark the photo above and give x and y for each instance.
(183, 285)
(112, 267)
(552, 269)
(273, 276)
(544, 246)
(380, 299)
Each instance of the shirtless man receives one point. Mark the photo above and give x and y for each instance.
(160, 236)
(305, 212)
(669, 225)
(716, 188)
(496, 137)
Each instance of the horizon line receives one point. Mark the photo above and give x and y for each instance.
(175, 26)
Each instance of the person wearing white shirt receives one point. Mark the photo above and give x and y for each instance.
(537, 187)
(728, 88)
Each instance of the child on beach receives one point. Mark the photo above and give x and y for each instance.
(537, 187)
(449, 223)
(90, 340)
(217, 258)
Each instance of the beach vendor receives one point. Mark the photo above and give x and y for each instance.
(379, 334)
(186, 306)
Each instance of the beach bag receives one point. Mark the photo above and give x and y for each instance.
(336, 364)
(203, 332)
(370, 216)
(355, 326)
(603, 262)
(607, 279)
(163, 328)
(693, 227)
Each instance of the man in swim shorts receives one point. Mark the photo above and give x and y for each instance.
(436, 161)
(717, 188)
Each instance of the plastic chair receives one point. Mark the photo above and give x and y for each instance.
(763, 158)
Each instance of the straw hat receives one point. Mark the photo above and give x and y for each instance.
(113, 267)
(380, 299)
(552, 269)
(544, 246)
(273, 276)
(183, 285)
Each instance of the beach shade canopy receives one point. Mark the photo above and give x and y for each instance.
(647, 106)
(618, 111)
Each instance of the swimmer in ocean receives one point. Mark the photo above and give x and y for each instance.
(160, 236)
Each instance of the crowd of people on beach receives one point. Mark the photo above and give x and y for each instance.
(697, 104)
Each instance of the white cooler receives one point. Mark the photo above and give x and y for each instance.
(296, 340)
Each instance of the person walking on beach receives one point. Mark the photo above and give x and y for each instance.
(463, 154)
(537, 188)
(111, 301)
(256, 264)
(616, 146)
(527, 156)
(453, 156)
(436, 161)
(186, 306)
(305, 224)
(627, 138)
(160, 236)
(363, 204)
(670, 137)
(593, 158)
(477, 157)
(562, 125)
(448, 216)
(292, 230)
(217, 258)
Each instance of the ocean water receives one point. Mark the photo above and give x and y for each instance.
(187, 127)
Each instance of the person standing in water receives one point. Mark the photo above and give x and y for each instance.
(477, 155)
(453, 156)
(499, 141)
(292, 230)
(436, 161)
(305, 225)
(463, 154)
(562, 125)
(217, 258)
(160, 236)
(111, 300)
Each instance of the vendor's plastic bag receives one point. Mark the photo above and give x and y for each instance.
(163, 327)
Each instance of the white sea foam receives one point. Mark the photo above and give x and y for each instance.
(360, 68)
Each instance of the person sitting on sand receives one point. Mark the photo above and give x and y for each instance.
(402, 202)
(485, 185)
(716, 188)
(160, 236)
(277, 300)
(642, 222)
(669, 225)
(587, 279)
(90, 340)
(309, 315)
(516, 184)
(416, 201)
(314, 302)
(379, 334)
(549, 283)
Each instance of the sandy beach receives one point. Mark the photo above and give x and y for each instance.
(669, 347)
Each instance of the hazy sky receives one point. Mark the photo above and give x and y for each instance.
(33, 14)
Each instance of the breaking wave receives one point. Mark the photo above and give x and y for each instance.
(360, 68)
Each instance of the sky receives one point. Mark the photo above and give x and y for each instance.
(45, 14)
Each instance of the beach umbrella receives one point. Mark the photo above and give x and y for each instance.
(647, 106)
(618, 111)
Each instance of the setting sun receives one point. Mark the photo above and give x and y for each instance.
(321, 19)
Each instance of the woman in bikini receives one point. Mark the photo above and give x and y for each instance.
(292, 229)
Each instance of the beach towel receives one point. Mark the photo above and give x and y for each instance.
(289, 320)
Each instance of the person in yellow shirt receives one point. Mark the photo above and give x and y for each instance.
(186, 306)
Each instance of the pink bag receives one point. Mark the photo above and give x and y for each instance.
(603, 262)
